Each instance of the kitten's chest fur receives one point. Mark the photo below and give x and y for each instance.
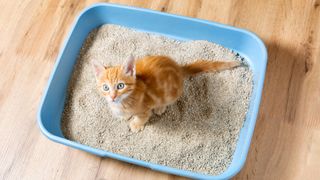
(127, 107)
(117, 109)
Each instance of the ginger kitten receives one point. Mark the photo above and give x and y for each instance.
(148, 84)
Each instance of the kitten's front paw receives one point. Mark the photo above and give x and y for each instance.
(159, 111)
(136, 127)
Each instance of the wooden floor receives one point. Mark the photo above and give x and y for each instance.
(286, 141)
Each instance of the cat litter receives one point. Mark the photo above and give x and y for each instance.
(198, 133)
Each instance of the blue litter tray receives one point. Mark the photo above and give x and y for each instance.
(243, 42)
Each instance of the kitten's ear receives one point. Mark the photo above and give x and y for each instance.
(98, 68)
(130, 67)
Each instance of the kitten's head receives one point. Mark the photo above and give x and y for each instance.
(116, 83)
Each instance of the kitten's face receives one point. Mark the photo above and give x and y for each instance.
(115, 85)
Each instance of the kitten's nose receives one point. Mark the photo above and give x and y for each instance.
(113, 96)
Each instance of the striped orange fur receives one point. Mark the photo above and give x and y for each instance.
(148, 84)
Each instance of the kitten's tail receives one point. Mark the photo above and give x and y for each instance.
(204, 66)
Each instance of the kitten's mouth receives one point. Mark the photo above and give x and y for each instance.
(116, 100)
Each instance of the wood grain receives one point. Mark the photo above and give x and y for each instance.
(286, 141)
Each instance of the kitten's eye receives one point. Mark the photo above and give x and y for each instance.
(105, 87)
(120, 86)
